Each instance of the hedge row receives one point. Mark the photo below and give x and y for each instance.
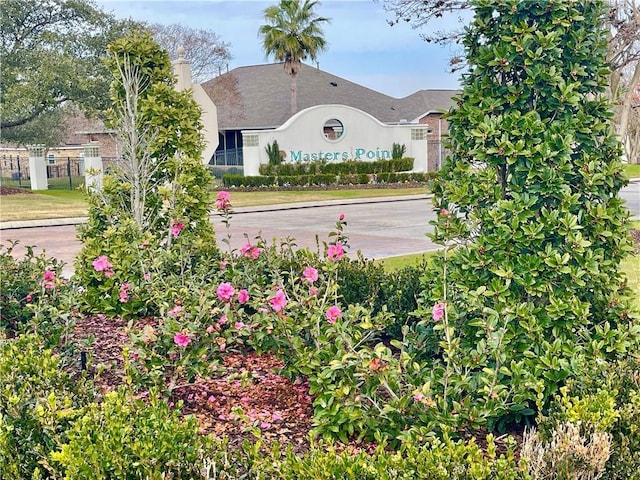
(235, 180)
(340, 168)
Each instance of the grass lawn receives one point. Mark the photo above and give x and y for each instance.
(396, 263)
(44, 204)
(72, 203)
(632, 170)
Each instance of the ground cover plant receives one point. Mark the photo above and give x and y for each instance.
(512, 354)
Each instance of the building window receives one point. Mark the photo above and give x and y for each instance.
(418, 134)
(333, 129)
(250, 140)
(51, 159)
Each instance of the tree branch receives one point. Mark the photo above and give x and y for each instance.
(37, 112)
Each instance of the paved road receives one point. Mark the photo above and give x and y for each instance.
(631, 193)
(380, 228)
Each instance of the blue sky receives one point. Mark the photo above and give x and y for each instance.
(363, 48)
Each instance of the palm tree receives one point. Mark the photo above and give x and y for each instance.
(293, 33)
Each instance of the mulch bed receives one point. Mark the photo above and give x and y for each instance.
(274, 408)
(635, 235)
(13, 191)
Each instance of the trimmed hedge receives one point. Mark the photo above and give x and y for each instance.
(321, 173)
(234, 180)
(340, 168)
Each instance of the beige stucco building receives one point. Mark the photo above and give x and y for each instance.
(254, 100)
(249, 107)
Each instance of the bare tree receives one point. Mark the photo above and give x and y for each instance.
(624, 48)
(208, 54)
(420, 13)
(624, 58)
(632, 135)
(137, 166)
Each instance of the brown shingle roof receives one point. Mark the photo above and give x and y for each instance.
(258, 96)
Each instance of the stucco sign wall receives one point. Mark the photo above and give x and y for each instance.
(334, 133)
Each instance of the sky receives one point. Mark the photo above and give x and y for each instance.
(362, 47)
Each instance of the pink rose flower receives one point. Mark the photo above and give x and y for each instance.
(335, 252)
(28, 298)
(147, 276)
(101, 264)
(238, 325)
(222, 320)
(310, 274)
(222, 200)
(418, 396)
(124, 292)
(175, 311)
(181, 340)
(243, 296)
(246, 249)
(225, 292)
(438, 311)
(444, 212)
(341, 217)
(278, 301)
(313, 291)
(211, 329)
(176, 228)
(333, 314)
(250, 251)
(49, 280)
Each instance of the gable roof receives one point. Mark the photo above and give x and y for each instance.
(258, 96)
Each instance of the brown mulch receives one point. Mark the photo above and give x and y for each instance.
(635, 235)
(273, 408)
(13, 191)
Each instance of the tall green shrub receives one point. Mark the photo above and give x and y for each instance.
(398, 150)
(529, 197)
(159, 191)
(273, 152)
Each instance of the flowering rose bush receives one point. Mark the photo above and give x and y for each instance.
(35, 296)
